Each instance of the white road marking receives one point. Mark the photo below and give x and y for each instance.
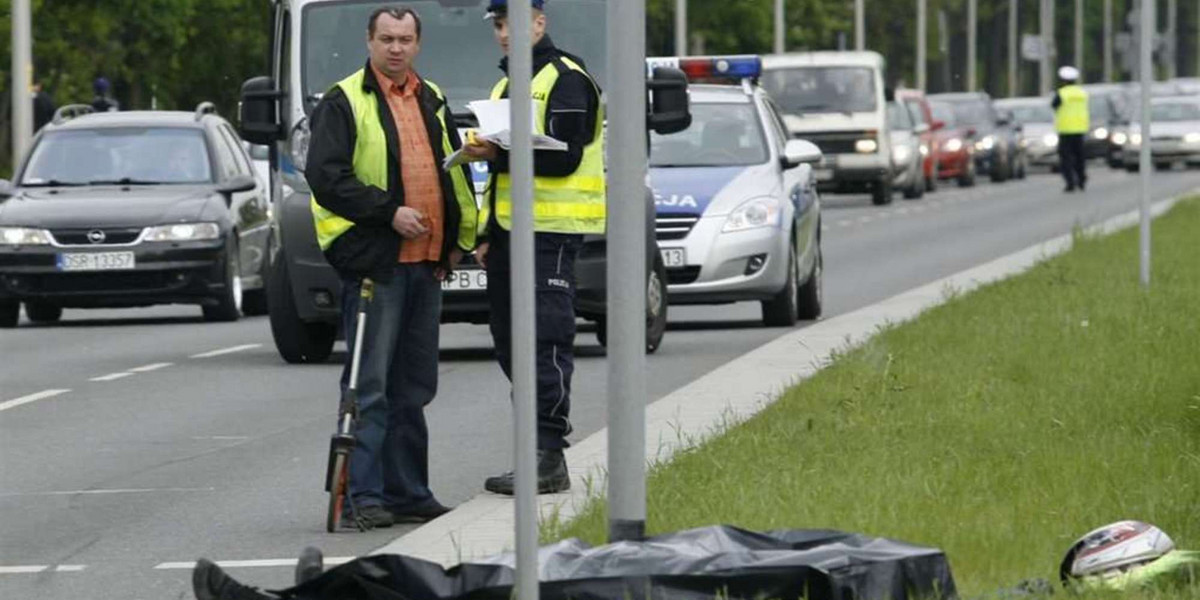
(103, 492)
(112, 376)
(30, 398)
(221, 438)
(864, 219)
(70, 568)
(902, 211)
(844, 223)
(919, 209)
(265, 562)
(824, 228)
(148, 368)
(226, 351)
(24, 569)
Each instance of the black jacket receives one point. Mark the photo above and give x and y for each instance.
(571, 113)
(372, 247)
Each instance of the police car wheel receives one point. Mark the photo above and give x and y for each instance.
(10, 313)
(783, 310)
(656, 305)
(812, 293)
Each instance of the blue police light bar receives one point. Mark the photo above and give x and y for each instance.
(707, 68)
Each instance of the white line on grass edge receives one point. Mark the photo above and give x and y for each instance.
(483, 526)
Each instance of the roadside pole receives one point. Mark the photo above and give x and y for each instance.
(520, 72)
(22, 67)
(626, 277)
(1146, 22)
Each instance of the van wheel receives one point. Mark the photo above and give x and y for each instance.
(882, 193)
(41, 312)
(10, 313)
(296, 340)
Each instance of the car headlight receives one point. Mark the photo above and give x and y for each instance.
(24, 236)
(954, 145)
(1192, 138)
(1050, 139)
(1100, 133)
(986, 143)
(900, 154)
(866, 146)
(1135, 139)
(183, 232)
(924, 149)
(759, 212)
(298, 144)
(1119, 138)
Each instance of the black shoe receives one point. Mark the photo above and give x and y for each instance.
(209, 582)
(424, 514)
(310, 565)
(552, 476)
(372, 516)
(1083, 184)
(1069, 189)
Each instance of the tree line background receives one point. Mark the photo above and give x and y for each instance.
(173, 54)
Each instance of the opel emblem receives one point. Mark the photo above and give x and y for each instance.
(96, 236)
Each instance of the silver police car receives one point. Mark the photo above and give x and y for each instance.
(738, 213)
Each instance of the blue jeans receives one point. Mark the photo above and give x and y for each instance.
(397, 378)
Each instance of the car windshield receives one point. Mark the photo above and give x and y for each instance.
(119, 155)
(458, 49)
(914, 112)
(1032, 113)
(898, 117)
(973, 113)
(721, 134)
(1099, 109)
(1174, 111)
(822, 89)
(943, 112)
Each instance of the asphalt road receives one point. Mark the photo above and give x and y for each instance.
(150, 438)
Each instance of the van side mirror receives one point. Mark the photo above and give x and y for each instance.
(668, 109)
(798, 152)
(258, 112)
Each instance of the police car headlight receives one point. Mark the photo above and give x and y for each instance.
(900, 154)
(759, 212)
(1100, 133)
(1050, 139)
(1119, 138)
(1192, 138)
(954, 145)
(183, 232)
(23, 236)
(298, 144)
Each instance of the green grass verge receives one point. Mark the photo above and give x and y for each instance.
(999, 427)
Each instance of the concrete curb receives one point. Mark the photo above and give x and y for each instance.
(483, 526)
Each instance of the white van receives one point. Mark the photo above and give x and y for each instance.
(837, 101)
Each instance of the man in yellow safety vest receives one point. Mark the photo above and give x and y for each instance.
(1071, 121)
(569, 201)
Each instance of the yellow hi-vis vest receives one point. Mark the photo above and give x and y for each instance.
(371, 164)
(571, 204)
(1072, 114)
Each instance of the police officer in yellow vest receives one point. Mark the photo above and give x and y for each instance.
(569, 201)
(384, 208)
(1071, 121)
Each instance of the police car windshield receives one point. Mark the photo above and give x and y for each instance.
(458, 49)
(1174, 111)
(119, 155)
(822, 89)
(721, 135)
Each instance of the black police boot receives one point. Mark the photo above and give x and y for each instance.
(552, 476)
(210, 582)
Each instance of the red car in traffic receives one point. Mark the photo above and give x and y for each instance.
(956, 146)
